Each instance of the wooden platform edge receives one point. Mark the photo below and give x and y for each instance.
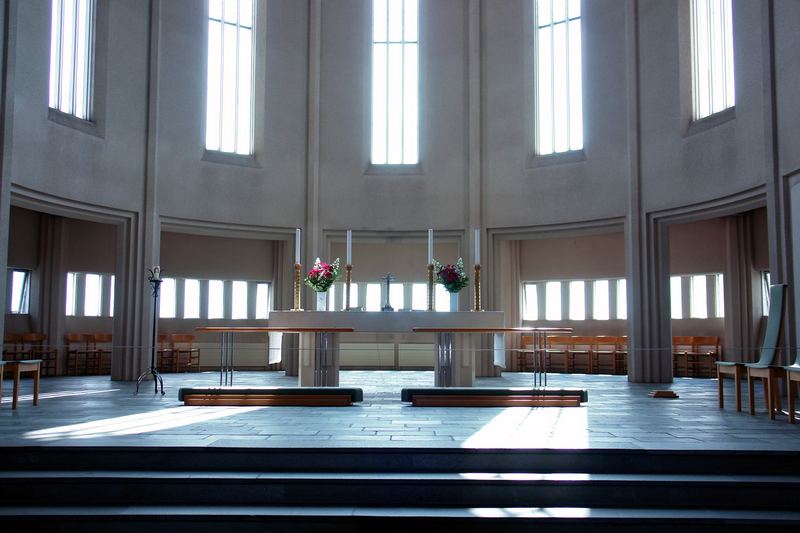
(313, 400)
(422, 400)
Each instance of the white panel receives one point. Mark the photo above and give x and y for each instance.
(395, 105)
(410, 105)
(379, 20)
(379, 56)
(214, 85)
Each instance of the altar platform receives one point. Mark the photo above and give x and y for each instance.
(94, 411)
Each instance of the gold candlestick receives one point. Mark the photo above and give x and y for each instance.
(348, 277)
(430, 287)
(477, 289)
(297, 268)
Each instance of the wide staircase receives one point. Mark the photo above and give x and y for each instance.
(351, 489)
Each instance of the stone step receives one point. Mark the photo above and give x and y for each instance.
(399, 489)
(194, 518)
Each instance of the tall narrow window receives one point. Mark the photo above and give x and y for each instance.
(111, 295)
(20, 292)
(531, 302)
(92, 295)
(676, 298)
(712, 57)
(622, 299)
(719, 294)
(441, 298)
(262, 300)
(71, 296)
(577, 300)
(216, 294)
(72, 56)
(166, 299)
(698, 304)
(552, 292)
(559, 92)
(373, 302)
(419, 297)
(239, 300)
(395, 82)
(600, 311)
(229, 105)
(396, 298)
(191, 298)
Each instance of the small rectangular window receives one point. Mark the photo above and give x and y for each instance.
(353, 296)
(72, 57)
(419, 297)
(577, 300)
(92, 295)
(531, 303)
(71, 296)
(552, 291)
(332, 292)
(216, 301)
(191, 298)
(262, 300)
(20, 292)
(765, 283)
(600, 297)
(442, 299)
(720, 296)
(396, 297)
(373, 297)
(111, 296)
(239, 300)
(712, 57)
(166, 298)
(676, 298)
(229, 99)
(699, 298)
(622, 299)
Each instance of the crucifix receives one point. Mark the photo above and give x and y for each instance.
(389, 279)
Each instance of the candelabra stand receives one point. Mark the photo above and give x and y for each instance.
(477, 288)
(155, 282)
(348, 278)
(430, 287)
(297, 268)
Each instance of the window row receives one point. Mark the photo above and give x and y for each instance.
(402, 296)
(693, 296)
(230, 105)
(214, 299)
(89, 294)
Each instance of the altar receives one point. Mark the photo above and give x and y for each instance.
(459, 338)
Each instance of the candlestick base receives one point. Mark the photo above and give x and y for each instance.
(297, 306)
(477, 290)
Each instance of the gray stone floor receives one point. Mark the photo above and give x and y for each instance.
(96, 411)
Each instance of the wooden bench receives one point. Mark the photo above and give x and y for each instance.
(19, 368)
(697, 353)
(302, 396)
(492, 397)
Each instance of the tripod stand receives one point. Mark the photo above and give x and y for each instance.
(155, 281)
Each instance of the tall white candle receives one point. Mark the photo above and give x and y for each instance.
(477, 246)
(156, 272)
(297, 246)
(349, 247)
(430, 246)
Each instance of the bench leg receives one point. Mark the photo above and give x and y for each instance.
(737, 381)
(36, 376)
(15, 393)
(719, 389)
(750, 398)
(790, 398)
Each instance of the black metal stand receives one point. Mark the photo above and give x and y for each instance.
(153, 371)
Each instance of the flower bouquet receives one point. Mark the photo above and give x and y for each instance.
(322, 275)
(452, 277)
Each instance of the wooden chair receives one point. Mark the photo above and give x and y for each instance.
(18, 368)
(682, 346)
(36, 348)
(777, 295)
(558, 346)
(187, 357)
(792, 378)
(605, 347)
(581, 346)
(103, 345)
(622, 353)
(165, 356)
(12, 346)
(705, 352)
(763, 369)
(80, 353)
(524, 363)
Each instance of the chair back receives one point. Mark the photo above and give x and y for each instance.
(606, 343)
(682, 343)
(558, 341)
(708, 344)
(581, 343)
(777, 299)
(182, 341)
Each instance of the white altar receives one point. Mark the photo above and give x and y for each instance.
(456, 349)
